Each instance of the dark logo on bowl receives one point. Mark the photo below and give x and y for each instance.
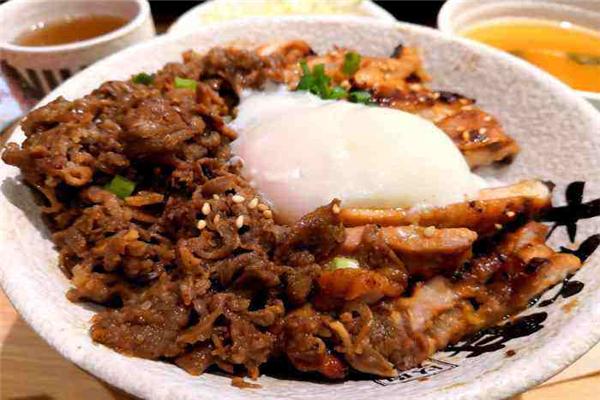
(495, 338)
(428, 368)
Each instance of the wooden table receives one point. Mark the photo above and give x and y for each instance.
(31, 369)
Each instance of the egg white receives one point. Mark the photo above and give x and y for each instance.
(301, 152)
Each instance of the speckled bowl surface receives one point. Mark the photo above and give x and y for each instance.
(560, 138)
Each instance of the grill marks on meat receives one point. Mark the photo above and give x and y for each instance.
(492, 209)
(440, 311)
(235, 297)
(477, 135)
(424, 252)
(400, 82)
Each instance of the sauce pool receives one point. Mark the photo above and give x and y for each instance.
(69, 30)
(569, 52)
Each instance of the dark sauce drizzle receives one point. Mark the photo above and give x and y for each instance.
(585, 249)
(571, 287)
(494, 338)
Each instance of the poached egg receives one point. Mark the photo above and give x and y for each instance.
(300, 152)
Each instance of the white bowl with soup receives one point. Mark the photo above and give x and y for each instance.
(560, 37)
(43, 43)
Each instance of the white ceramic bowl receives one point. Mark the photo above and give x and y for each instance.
(558, 132)
(456, 15)
(43, 68)
(194, 18)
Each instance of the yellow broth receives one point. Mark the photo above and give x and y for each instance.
(567, 51)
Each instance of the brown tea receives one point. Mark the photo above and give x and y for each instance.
(69, 30)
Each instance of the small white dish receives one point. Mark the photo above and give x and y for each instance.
(45, 67)
(456, 15)
(202, 14)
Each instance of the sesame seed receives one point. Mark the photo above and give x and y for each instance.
(510, 214)
(482, 131)
(239, 221)
(216, 196)
(217, 219)
(498, 226)
(237, 198)
(429, 231)
(422, 99)
(436, 95)
(415, 87)
(146, 305)
(206, 209)
(201, 224)
(467, 108)
(267, 214)
(335, 208)
(263, 207)
(463, 101)
(253, 203)
(465, 136)
(487, 118)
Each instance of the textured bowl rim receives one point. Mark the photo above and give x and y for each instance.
(495, 384)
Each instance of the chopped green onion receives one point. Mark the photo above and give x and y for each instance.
(584, 59)
(360, 96)
(183, 83)
(337, 93)
(304, 66)
(120, 186)
(343, 262)
(351, 62)
(143, 78)
(306, 81)
(315, 81)
(319, 70)
(321, 81)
